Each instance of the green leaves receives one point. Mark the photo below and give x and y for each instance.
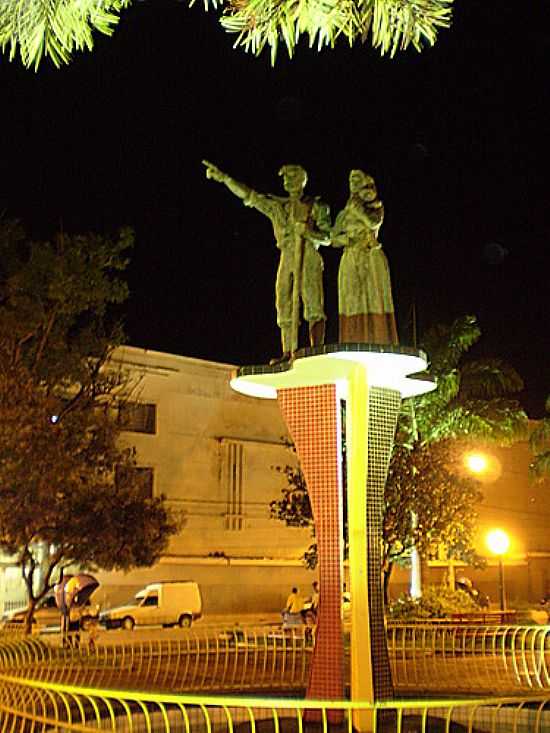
(539, 441)
(428, 502)
(471, 403)
(489, 379)
(59, 436)
(55, 298)
(436, 602)
(472, 399)
(35, 29)
(446, 344)
(294, 508)
(54, 28)
(392, 25)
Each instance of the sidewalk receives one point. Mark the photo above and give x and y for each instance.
(245, 619)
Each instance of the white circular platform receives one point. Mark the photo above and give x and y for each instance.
(386, 366)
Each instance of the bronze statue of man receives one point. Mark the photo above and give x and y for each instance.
(300, 224)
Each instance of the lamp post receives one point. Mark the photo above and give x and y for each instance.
(477, 464)
(498, 543)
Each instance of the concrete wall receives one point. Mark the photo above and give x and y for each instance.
(238, 588)
(215, 456)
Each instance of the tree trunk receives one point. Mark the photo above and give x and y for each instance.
(27, 571)
(30, 613)
(424, 571)
(388, 567)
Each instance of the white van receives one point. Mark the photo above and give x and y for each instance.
(166, 603)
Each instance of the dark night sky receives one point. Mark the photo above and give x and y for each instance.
(457, 138)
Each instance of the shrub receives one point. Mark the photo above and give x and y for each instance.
(437, 601)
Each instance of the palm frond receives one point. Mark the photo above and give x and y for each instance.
(539, 439)
(499, 421)
(539, 442)
(446, 344)
(540, 468)
(54, 28)
(488, 378)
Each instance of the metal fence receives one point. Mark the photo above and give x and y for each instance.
(124, 682)
(13, 604)
(27, 705)
(432, 658)
(210, 659)
(464, 659)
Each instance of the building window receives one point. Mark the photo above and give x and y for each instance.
(143, 475)
(138, 417)
(232, 480)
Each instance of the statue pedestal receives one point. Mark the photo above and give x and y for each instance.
(334, 398)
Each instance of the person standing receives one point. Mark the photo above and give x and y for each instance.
(315, 597)
(294, 602)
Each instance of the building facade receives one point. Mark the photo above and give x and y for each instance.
(216, 456)
(215, 453)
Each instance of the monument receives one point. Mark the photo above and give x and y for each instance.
(300, 225)
(311, 386)
(365, 301)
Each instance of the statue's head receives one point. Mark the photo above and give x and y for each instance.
(294, 178)
(361, 181)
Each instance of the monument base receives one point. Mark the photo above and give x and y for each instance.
(345, 398)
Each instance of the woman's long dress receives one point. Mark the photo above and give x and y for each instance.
(365, 302)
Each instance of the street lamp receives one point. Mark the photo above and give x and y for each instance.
(498, 543)
(476, 462)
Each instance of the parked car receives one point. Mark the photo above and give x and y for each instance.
(48, 616)
(166, 603)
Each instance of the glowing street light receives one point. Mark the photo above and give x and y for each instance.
(476, 462)
(498, 543)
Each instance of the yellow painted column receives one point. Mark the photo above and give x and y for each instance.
(357, 417)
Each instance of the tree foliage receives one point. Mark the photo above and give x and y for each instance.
(471, 405)
(294, 508)
(389, 25)
(35, 29)
(54, 28)
(473, 398)
(436, 602)
(59, 436)
(429, 500)
(539, 441)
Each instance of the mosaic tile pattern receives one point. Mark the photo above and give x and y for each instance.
(313, 418)
(384, 405)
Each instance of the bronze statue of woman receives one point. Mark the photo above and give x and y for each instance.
(365, 302)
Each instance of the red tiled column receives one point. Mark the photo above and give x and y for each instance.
(313, 418)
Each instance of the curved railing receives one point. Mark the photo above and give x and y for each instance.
(208, 658)
(466, 659)
(108, 683)
(432, 658)
(27, 705)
